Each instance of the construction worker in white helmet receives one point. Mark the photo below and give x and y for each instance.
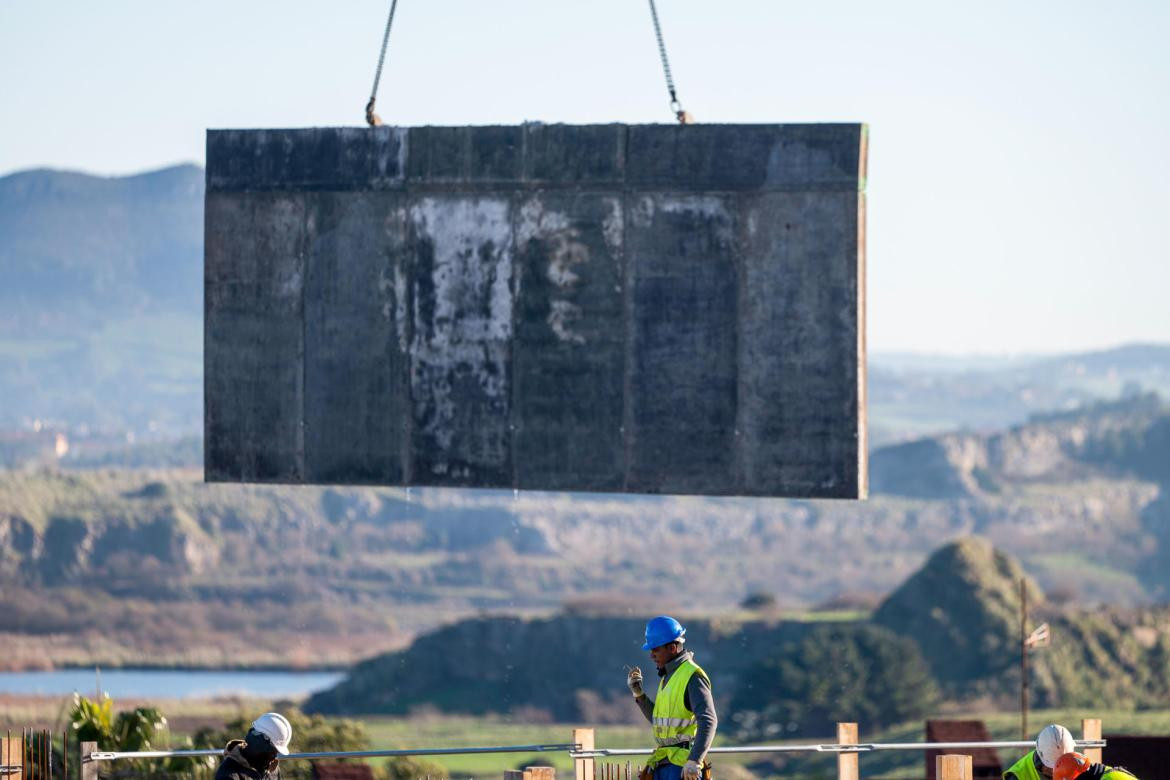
(255, 756)
(682, 715)
(1052, 742)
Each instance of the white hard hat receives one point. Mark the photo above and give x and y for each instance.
(277, 728)
(1053, 742)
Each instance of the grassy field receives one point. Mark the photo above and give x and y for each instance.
(455, 732)
(459, 732)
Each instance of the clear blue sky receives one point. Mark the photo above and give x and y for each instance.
(1020, 151)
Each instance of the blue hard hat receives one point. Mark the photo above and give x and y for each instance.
(662, 630)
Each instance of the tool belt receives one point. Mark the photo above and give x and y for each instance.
(647, 772)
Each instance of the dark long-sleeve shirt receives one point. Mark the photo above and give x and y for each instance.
(697, 699)
(235, 765)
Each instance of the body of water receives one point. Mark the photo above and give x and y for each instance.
(167, 683)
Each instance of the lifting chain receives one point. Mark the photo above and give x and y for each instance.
(683, 117)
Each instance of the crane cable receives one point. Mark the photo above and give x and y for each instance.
(683, 117)
(372, 119)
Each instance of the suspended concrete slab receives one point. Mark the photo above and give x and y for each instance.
(644, 309)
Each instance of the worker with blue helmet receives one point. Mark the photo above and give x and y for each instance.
(682, 714)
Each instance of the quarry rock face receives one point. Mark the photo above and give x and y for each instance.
(648, 309)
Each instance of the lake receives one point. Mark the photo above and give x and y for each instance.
(168, 683)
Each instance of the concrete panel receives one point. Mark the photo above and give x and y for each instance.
(254, 338)
(795, 158)
(460, 349)
(575, 154)
(798, 403)
(568, 356)
(683, 258)
(326, 158)
(357, 402)
(655, 309)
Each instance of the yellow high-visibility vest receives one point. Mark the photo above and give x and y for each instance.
(672, 722)
(1024, 769)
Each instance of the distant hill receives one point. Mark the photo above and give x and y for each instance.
(569, 667)
(1131, 437)
(101, 308)
(101, 305)
(961, 608)
(911, 396)
(1080, 500)
(77, 247)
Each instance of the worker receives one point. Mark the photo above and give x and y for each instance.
(254, 757)
(682, 714)
(1074, 766)
(1052, 742)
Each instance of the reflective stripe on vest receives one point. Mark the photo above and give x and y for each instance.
(1024, 769)
(672, 723)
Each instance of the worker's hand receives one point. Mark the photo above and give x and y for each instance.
(691, 771)
(634, 682)
(1094, 772)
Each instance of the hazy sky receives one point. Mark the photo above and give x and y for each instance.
(1019, 151)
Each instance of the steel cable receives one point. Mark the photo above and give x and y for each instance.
(371, 118)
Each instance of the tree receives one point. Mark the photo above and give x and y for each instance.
(759, 601)
(131, 731)
(845, 672)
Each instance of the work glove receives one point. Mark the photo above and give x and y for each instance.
(691, 771)
(634, 682)
(1094, 772)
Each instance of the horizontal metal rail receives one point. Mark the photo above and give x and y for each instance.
(550, 748)
(575, 750)
(867, 747)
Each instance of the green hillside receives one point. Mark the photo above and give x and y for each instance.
(101, 306)
(960, 611)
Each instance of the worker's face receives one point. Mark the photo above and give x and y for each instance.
(1045, 771)
(663, 655)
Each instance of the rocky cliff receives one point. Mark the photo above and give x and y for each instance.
(1077, 498)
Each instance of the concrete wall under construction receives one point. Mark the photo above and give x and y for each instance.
(649, 309)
